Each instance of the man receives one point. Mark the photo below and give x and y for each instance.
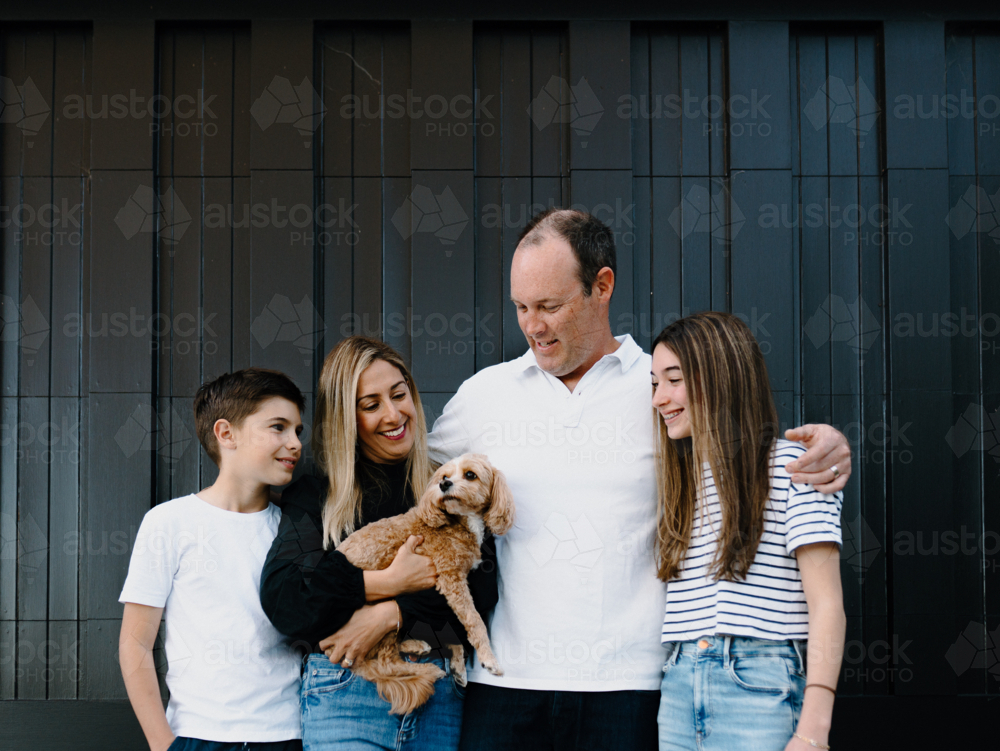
(577, 626)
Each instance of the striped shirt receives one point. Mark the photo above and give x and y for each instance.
(770, 602)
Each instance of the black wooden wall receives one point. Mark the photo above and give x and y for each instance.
(182, 198)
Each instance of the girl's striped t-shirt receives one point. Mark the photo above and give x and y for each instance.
(770, 602)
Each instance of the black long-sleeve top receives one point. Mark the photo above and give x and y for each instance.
(309, 593)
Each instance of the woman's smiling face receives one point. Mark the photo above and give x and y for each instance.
(386, 414)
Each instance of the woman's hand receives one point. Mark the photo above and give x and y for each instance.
(408, 572)
(365, 629)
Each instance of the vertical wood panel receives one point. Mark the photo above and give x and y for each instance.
(121, 141)
(442, 57)
(914, 81)
(758, 73)
(599, 67)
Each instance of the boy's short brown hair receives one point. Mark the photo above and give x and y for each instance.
(236, 396)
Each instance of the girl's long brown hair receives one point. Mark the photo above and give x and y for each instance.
(733, 428)
(335, 432)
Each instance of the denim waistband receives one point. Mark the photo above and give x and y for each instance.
(729, 647)
(442, 662)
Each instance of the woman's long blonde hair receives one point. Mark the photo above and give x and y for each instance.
(733, 425)
(335, 432)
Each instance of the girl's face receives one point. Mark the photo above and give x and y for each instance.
(386, 414)
(670, 398)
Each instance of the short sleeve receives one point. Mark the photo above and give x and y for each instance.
(811, 517)
(154, 562)
(449, 438)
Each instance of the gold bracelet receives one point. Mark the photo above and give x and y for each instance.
(810, 741)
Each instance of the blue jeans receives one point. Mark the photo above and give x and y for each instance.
(730, 692)
(342, 711)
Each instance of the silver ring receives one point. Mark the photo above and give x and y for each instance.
(347, 662)
(836, 472)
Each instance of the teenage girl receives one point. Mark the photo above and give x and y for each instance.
(751, 560)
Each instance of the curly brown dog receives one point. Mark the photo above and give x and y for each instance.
(463, 495)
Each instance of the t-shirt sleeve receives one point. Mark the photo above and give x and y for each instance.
(449, 438)
(811, 517)
(154, 561)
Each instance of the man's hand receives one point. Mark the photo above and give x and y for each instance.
(827, 448)
(356, 638)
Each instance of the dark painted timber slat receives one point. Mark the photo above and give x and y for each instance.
(441, 138)
(669, 135)
(396, 82)
(118, 322)
(489, 86)
(64, 508)
(121, 142)
(345, 107)
(32, 509)
(915, 83)
(987, 104)
(281, 69)
(549, 132)
(762, 269)
(599, 66)
(490, 271)
(286, 325)
(758, 73)
(367, 72)
(512, 123)
(396, 305)
(443, 277)
(71, 135)
(35, 243)
(520, 199)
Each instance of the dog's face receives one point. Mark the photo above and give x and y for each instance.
(469, 485)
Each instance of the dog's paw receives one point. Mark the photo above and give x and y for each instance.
(415, 647)
(492, 666)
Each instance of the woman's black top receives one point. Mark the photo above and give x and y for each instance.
(309, 593)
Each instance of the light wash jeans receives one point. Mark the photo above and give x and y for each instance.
(344, 712)
(722, 693)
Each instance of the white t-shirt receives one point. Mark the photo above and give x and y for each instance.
(770, 602)
(232, 676)
(580, 606)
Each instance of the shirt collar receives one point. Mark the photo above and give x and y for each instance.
(627, 355)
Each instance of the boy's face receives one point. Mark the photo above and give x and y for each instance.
(267, 445)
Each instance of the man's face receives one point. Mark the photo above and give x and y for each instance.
(565, 328)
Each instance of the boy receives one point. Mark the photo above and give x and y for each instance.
(233, 679)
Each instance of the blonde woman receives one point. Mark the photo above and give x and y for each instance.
(751, 559)
(370, 440)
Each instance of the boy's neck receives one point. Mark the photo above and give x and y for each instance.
(231, 493)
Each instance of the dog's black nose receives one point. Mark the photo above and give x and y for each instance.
(445, 484)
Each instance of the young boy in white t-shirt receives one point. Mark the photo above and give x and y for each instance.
(233, 679)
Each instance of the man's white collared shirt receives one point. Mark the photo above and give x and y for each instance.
(580, 606)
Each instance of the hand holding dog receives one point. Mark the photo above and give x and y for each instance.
(365, 629)
(409, 572)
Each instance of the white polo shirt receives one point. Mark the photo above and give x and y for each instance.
(580, 605)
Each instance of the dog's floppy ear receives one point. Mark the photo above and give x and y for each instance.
(499, 517)
(430, 512)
